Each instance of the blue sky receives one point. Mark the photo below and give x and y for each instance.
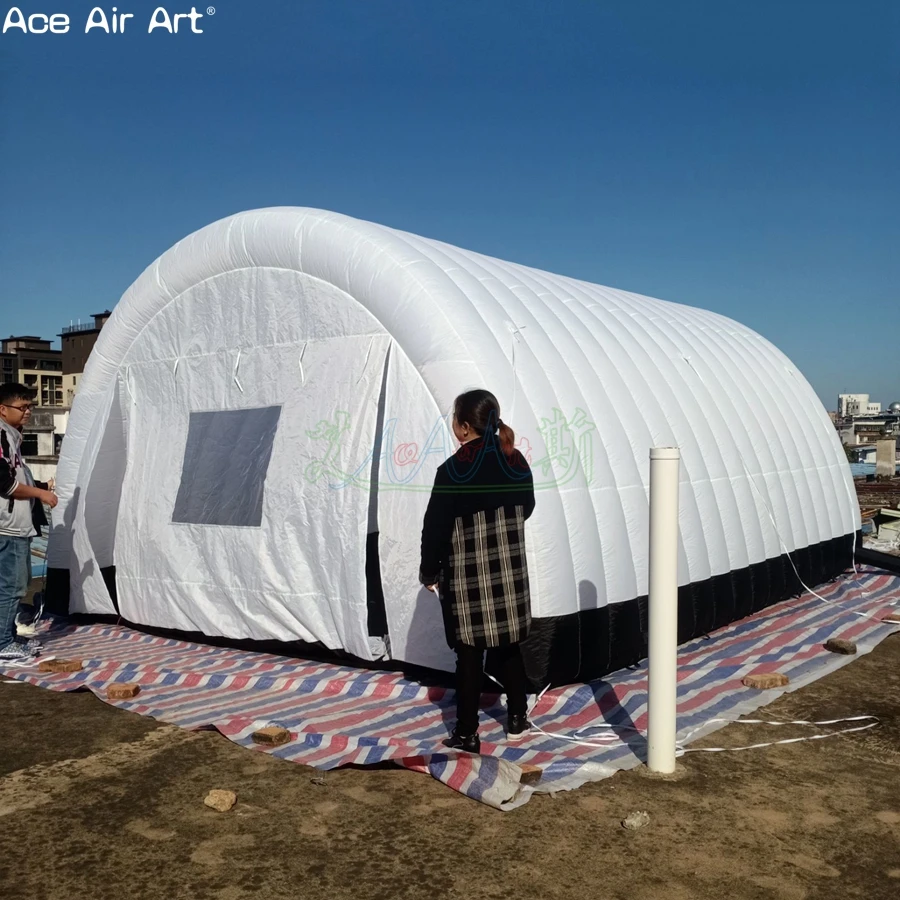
(738, 157)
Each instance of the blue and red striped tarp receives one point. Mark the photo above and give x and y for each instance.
(339, 715)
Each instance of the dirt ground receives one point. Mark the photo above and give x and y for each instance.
(100, 803)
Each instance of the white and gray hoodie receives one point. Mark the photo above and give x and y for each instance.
(15, 515)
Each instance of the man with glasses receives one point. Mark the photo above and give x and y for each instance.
(17, 495)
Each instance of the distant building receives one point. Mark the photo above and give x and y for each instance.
(42, 440)
(31, 361)
(857, 405)
(855, 431)
(77, 343)
(8, 367)
(53, 375)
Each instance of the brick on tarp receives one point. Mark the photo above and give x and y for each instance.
(120, 690)
(60, 665)
(531, 775)
(839, 645)
(766, 680)
(273, 736)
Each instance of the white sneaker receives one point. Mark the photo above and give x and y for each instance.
(26, 629)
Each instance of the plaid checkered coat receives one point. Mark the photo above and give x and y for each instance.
(473, 545)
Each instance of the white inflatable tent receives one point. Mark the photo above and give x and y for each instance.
(269, 401)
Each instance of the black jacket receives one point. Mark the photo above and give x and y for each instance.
(38, 516)
(478, 477)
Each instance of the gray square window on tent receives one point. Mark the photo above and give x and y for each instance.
(226, 459)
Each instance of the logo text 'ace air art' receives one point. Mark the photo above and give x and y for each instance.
(112, 21)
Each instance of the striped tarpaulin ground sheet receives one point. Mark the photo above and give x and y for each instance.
(338, 715)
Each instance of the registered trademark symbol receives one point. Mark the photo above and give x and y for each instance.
(210, 10)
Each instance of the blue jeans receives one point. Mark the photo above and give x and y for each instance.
(15, 573)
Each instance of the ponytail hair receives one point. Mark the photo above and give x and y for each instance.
(481, 411)
(507, 438)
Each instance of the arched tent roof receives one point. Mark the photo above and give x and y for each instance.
(591, 377)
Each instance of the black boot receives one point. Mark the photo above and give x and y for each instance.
(469, 743)
(517, 726)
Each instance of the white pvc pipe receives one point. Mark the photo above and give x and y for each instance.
(665, 463)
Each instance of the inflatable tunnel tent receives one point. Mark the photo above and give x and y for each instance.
(270, 398)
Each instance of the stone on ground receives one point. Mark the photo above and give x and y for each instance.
(220, 800)
(636, 820)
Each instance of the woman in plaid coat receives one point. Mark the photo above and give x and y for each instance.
(473, 554)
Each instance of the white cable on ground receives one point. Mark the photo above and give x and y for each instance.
(611, 737)
(604, 741)
(681, 750)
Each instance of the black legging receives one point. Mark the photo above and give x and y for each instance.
(469, 675)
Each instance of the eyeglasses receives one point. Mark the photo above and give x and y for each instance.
(23, 409)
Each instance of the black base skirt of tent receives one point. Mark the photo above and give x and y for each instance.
(581, 646)
(586, 645)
